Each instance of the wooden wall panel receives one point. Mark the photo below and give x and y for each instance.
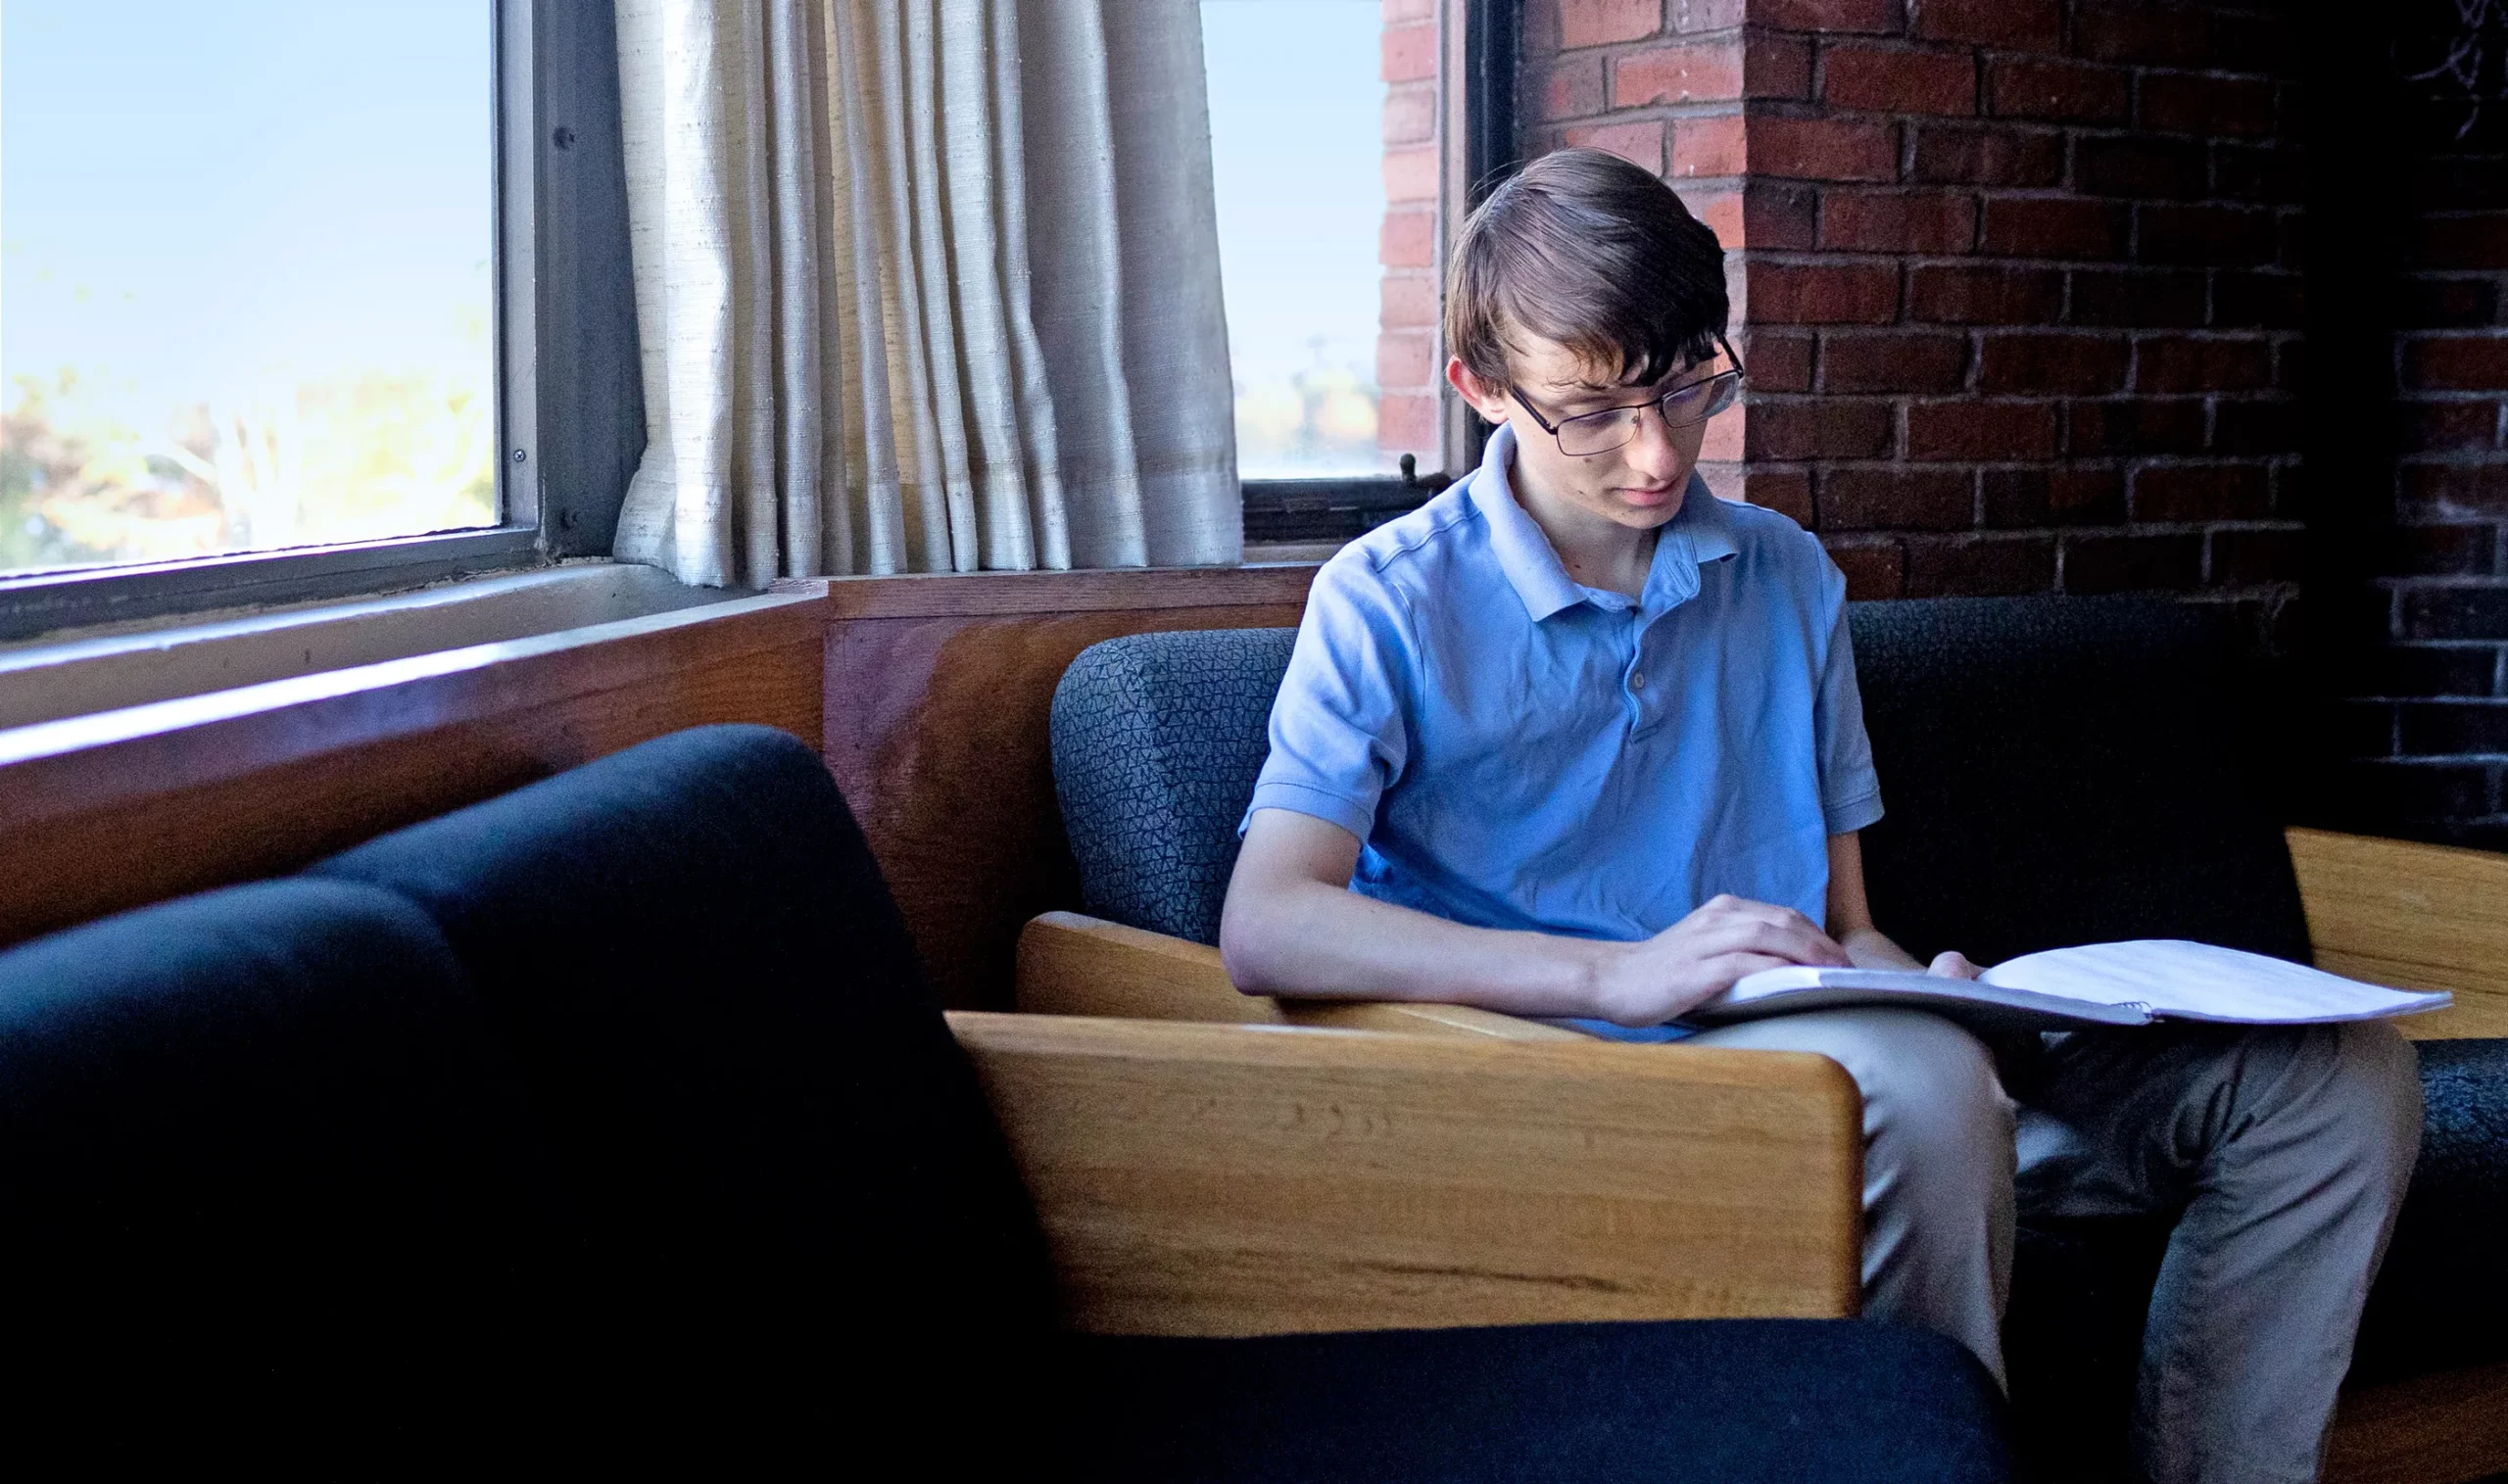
(938, 692)
(110, 811)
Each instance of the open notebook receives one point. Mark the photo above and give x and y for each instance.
(2131, 983)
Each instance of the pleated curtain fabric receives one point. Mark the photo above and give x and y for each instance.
(924, 286)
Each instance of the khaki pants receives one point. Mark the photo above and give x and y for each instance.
(2288, 1149)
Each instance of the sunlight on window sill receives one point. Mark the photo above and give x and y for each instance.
(79, 673)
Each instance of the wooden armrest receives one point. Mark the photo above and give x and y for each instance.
(2415, 916)
(1250, 1180)
(1074, 965)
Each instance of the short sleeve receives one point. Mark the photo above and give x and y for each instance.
(1339, 731)
(1850, 790)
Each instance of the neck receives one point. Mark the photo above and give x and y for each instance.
(1597, 553)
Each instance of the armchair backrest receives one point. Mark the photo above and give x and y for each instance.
(2056, 770)
(1156, 741)
(2065, 770)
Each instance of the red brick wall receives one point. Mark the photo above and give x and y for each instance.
(2430, 724)
(1408, 370)
(1661, 82)
(2019, 278)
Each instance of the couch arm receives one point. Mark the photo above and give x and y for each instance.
(2418, 917)
(1247, 1180)
(1074, 965)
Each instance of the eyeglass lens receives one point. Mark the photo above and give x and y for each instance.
(1602, 432)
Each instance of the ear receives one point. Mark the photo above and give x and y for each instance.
(1491, 403)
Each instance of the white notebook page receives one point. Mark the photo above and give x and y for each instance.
(2202, 982)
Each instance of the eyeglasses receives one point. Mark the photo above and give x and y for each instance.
(1590, 433)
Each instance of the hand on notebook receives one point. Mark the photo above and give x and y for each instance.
(1646, 983)
(1953, 964)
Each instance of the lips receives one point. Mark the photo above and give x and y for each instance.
(1648, 495)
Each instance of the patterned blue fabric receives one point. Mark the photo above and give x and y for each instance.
(2441, 1300)
(1725, 1400)
(1156, 741)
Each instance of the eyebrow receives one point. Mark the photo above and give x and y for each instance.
(1573, 390)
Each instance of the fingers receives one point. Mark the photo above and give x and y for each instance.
(1953, 964)
(1786, 937)
(1735, 967)
(1803, 942)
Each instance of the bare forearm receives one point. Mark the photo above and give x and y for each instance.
(1305, 938)
(1291, 927)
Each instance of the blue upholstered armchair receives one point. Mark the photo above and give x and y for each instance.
(2057, 771)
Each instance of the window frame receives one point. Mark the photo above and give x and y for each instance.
(1477, 78)
(563, 297)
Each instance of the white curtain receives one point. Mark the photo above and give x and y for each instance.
(924, 286)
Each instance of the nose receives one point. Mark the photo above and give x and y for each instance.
(1654, 452)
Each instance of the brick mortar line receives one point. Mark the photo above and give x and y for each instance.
(1829, 257)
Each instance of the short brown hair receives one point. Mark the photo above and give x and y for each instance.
(1591, 251)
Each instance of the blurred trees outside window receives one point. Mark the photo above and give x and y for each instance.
(1296, 98)
(245, 276)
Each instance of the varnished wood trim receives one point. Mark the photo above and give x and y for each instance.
(1254, 1180)
(111, 811)
(2446, 1428)
(2476, 1012)
(1069, 964)
(2415, 916)
(984, 595)
(398, 693)
(1421, 1020)
(939, 731)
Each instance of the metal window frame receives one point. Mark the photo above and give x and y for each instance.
(564, 314)
(1478, 76)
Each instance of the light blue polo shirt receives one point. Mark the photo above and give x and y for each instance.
(1517, 750)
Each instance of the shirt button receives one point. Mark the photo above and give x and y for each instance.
(1637, 680)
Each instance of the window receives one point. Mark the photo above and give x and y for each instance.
(277, 277)
(1293, 84)
(1343, 143)
(248, 288)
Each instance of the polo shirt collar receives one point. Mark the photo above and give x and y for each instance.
(1701, 533)
(1523, 553)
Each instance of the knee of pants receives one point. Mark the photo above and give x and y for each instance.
(2356, 1082)
(2378, 1075)
(1930, 1090)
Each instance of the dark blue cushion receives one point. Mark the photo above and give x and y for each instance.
(1156, 741)
(2073, 1341)
(765, 1120)
(265, 1141)
(2064, 770)
(1742, 1400)
(2441, 1300)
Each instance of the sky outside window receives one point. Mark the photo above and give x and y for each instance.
(245, 276)
(1297, 126)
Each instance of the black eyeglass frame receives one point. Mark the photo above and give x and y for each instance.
(1735, 376)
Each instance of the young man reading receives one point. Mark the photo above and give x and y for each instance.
(1576, 738)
